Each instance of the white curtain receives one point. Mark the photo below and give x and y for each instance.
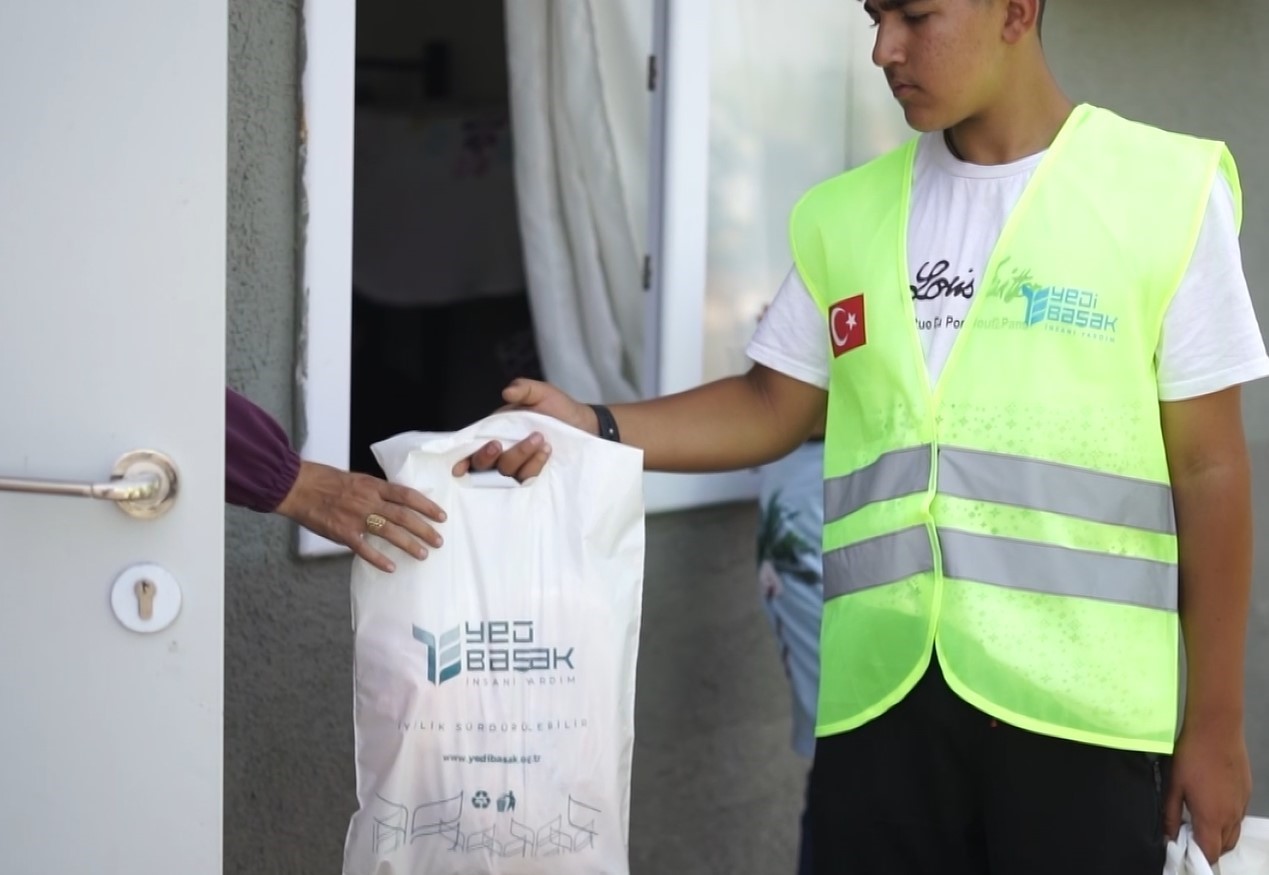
(580, 121)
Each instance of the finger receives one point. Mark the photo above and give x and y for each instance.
(415, 500)
(486, 457)
(412, 524)
(512, 460)
(533, 467)
(1209, 840)
(525, 393)
(1172, 811)
(370, 554)
(401, 539)
(1232, 835)
(481, 460)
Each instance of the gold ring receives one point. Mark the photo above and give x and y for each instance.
(375, 523)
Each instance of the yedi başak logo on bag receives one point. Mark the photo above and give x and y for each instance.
(500, 646)
(444, 657)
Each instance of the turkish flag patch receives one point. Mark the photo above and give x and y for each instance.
(846, 325)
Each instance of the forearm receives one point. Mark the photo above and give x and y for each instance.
(738, 422)
(261, 467)
(299, 502)
(1213, 508)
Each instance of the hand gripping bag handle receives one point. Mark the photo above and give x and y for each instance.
(430, 457)
(1184, 857)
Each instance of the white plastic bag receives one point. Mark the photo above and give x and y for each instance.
(494, 681)
(1250, 857)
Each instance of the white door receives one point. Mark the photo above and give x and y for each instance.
(112, 268)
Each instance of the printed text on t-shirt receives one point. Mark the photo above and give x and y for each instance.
(932, 282)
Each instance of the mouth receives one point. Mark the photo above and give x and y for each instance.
(898, 85)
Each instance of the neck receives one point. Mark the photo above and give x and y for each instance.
(1023, 120)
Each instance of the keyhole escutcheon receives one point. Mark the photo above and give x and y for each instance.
(145, 590)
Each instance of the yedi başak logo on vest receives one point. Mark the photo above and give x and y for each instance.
(1072, 311)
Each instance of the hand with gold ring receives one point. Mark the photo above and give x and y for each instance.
(345, 507)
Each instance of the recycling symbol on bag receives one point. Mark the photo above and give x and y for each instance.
(480, 800)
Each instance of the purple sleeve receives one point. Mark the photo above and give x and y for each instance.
(260, 465)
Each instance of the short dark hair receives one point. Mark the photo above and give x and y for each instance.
(1039, 16)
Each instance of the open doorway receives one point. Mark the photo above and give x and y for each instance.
(609, 198)
(440, 317)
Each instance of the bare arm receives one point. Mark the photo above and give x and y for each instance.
(733, 423)
(1211, 476)
(738, 422)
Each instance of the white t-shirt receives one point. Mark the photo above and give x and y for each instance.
(1210, 339)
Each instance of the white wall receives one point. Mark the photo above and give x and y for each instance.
(1199, 68)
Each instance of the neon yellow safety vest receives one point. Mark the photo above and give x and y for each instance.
(1017, 515)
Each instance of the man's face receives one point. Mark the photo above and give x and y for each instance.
(942, 58)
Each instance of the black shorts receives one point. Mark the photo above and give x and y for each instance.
(936, 787)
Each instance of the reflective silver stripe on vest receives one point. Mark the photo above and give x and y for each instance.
(1058, 570)
(893, 475)
(877, 561)
(1050, 486)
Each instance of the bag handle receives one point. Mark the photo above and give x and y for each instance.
(447, 449)
(1185, 857)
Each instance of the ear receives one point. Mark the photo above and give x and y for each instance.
(1022, 17)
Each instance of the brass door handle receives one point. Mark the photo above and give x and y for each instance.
(143, 484)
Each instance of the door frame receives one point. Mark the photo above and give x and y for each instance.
(323, 356)
(677, 238)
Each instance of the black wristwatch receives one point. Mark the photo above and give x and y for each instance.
(607, 423)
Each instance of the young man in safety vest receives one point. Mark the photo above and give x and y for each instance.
(1029, 327)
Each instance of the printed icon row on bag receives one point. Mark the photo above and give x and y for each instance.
(395, 827)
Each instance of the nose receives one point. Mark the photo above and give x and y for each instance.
(888, 47)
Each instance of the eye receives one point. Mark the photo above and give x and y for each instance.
(916, 19)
